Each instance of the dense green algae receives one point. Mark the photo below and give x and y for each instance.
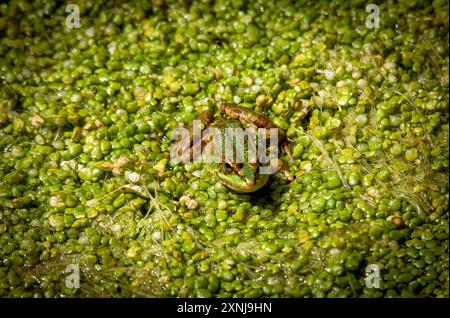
(86, 178)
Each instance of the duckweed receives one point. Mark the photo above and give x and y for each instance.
(86, 177)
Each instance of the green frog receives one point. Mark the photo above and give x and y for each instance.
(252, 170)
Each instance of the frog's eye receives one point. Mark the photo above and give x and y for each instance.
(228, 167)
(232, 166)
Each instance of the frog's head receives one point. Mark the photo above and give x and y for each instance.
(242, 178)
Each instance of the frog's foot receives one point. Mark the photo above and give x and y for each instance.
(204, 119)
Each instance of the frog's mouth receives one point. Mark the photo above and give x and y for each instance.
(240, 184)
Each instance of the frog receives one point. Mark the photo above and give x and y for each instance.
(246, 175)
